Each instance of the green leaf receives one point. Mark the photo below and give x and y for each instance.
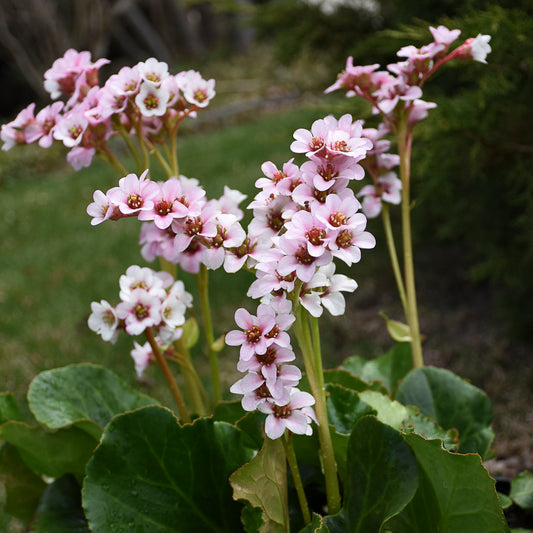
(345, 408)
(8, 408)
(84, 394)
(317, 525)
(408, 419)
(60, 509)
(191, 332)
(452, 403)
(250, 422)
(455, 494)
(382, 476)
(399, 331)
(522, 490)
(151, 474)
(347, 379)
(389, 368)
(23, 487)
(263, 482)
(251, 518)
(50, 453)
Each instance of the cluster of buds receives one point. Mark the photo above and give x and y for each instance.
(180, 224)
(149, 299)
(142, 100)
(399, 88)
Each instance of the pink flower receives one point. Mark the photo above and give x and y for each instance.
(103, 321)
(443, 35)
(15, 131)
(296, 415)
(140, 311)
(134, 194)
(43, 127)
(166, 205)
(153, 71)
(196, 90)
(71, 127)
(253, 337)
(142, 357)
(151, 100)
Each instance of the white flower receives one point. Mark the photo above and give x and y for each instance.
(480, 48)
(103, 321)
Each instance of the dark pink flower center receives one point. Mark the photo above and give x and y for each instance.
(141, 311)
(344, 239)
(253, 335)
(268, 357)
(193, 226)
(134, 201)
(316, 143)
(303, 257)
(315, 236)
(163, 207)
(337, 219)
(282, 411)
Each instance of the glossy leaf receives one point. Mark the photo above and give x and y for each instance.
(407, 418)
(389, 368)
(60, 509)
(455, 494)
(452, 403)
(23, 488)
(522, 490)
(48, 453)
(86, 395)
(263, 482)
(155, 475)
(382, 476)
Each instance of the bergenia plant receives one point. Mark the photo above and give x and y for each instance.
(386, 445)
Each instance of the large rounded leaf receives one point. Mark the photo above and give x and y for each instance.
(84, 394)
(382, 476)
(455, 494)
(150, 474)
(452, 403)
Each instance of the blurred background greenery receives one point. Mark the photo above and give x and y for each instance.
(272, 59)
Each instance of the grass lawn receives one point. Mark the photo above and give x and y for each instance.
(54, 263)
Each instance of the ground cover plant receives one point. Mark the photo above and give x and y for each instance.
(382, 445)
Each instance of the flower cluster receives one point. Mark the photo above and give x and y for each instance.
(270, 384)
(303, 218)
(306, 216)
(149, 299)
(400, 86)
(181, 225)
(142, 100)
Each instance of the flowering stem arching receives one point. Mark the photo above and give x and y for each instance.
(394, 256)
(329, 464)
(202, 279)
(111, 160)
(169, 378)
(297, 479)
(405, 139)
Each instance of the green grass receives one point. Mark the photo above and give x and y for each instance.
(53, 263)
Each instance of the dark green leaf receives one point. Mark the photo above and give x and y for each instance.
(455, 494)
(251, 518)
(382, 476)
(345, 407)
(348, 380)
(8, 408)
(155, 475)
(522, 490)
(263, 482)
(48, 453)
(452, 403)
(23, 487)
(60, 509)
(250, 422)
(86, 395)
(389, 368)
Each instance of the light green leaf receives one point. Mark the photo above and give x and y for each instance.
(399, 331)
(151, 474)
(84, 394)
(263, 482)
(522, 490)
